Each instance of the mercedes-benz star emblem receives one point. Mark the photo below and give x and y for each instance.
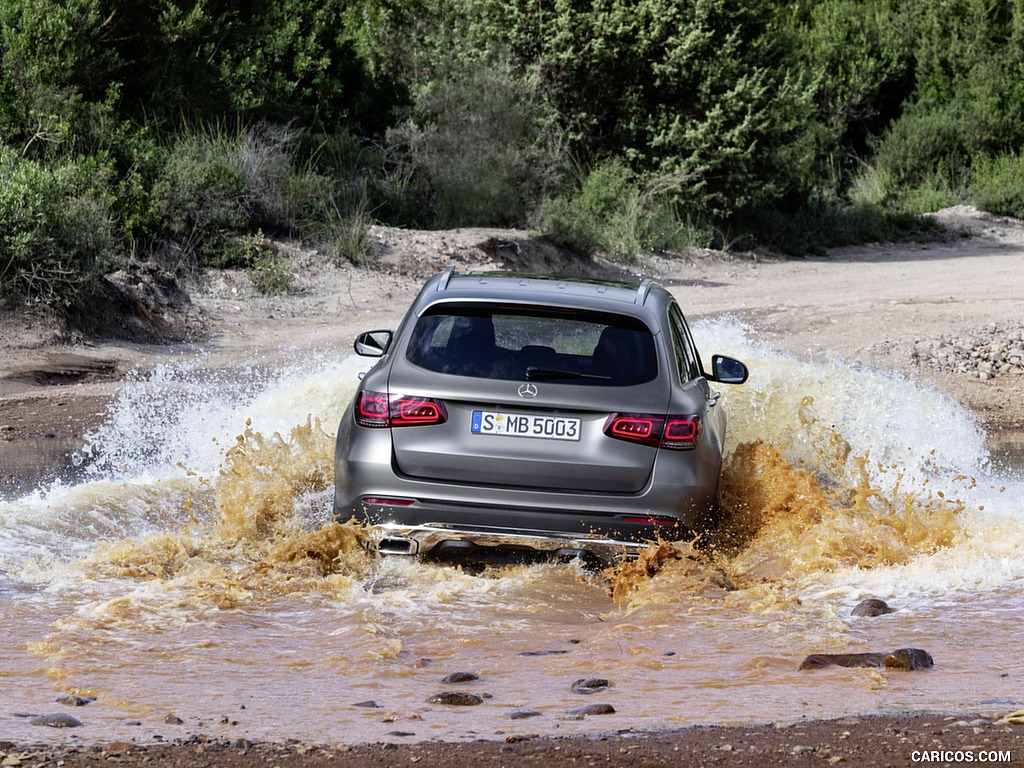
(527, 390)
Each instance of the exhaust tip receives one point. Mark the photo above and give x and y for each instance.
(397, 546)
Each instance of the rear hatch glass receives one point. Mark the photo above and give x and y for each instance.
(534, 344)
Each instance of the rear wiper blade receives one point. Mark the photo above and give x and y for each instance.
(553, 373)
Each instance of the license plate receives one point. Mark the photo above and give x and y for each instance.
(525, 425)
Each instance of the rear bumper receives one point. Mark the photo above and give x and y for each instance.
(397, 539)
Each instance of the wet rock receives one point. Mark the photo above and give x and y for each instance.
(819, 660)
(456, 699)
(522, 714)
(872, 607)
(590, 685)
(370, 704)
(58, 720)
(592, 709)
(904, 658)
(459, 677)
(76, 701)
(909, 659)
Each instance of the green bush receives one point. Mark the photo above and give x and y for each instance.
(217, 185)
(269, 273)
(56, 229)
(612, 212)
(997, 185)
(199, 202)
(814, 228)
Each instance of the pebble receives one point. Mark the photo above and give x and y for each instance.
(985, 353)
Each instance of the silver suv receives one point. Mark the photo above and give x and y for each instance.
(533, 415)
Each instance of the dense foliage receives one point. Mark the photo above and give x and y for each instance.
(187, 131)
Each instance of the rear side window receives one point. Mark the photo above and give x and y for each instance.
(534, 343)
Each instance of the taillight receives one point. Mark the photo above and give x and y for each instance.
(674, 432)
(378, 409)
(635, 427)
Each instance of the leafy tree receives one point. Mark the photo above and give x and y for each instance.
(701, 90)
(968, 60)
(858, 54)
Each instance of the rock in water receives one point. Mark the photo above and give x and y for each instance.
(902, 658)
(593, 709)
(455, 699)
(59, 720)
(522, 714)
(872, 607)
(819, 660)
(460, 677)
(590, 685)
(909, 659)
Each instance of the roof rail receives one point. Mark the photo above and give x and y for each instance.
(446, 277)
(642, 290)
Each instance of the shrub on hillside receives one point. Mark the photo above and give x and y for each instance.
(473, 152)
(56, 230)
(613, 212)
(997, 185)
(218, 185)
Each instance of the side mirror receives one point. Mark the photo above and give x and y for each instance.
(728, 370)
(373, 343)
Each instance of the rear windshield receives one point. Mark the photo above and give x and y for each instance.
(534, 344)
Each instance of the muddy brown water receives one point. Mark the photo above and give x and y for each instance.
(181, 567)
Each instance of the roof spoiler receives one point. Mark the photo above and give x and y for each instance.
(446, 276)
(642, 290)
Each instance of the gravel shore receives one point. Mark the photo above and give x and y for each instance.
(869, 742)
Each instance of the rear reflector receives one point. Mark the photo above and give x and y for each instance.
(651, 520)
(674, 432)
(381, 501)
(378, 409)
